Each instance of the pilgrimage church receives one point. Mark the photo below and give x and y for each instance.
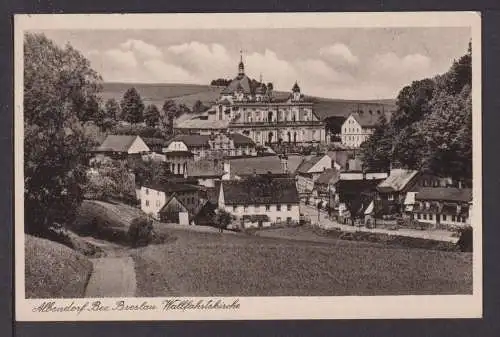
(251, 108)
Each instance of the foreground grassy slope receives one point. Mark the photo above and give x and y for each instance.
(54, 270)
(205, 264)
(188, 94)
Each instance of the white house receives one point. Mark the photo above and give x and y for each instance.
(359, 126)
(443, 206)
(260, 201)
(154, 197)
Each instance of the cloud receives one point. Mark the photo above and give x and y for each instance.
(339, 52)
(206, 60)
(125, 59)
(409, 65)
(164, 72)
(139, 47)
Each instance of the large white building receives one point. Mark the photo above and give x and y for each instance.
(250, 108)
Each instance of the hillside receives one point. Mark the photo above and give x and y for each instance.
(188, 94)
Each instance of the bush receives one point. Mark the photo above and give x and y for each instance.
(465, 241)
(140, 232)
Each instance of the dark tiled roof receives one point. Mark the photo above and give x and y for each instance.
(240, 139)
(367, 119)
(328, 176)
(178, 154)
(239, 81)
(260, 190)
(444, 193)
(357, 186)
(155, 141)
(117, 143)
(258, 165)
(192, 140)
(172, 187)
(307, 164)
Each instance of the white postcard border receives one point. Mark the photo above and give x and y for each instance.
(339, 307)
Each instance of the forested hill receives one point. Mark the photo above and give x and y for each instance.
(189, 94)
(432, 127)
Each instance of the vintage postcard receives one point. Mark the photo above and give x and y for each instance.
(248, 166)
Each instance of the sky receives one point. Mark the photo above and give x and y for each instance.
(344, 63)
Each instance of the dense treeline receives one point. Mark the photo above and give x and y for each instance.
(431, 129)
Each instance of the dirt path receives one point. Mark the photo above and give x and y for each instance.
(112, 277)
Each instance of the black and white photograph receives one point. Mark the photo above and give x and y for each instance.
(234, 166)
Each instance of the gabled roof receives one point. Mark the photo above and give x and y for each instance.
(444, 194)
(366, 119)
(357, 186)
(117, 143)
(329, 176)
(260, 190)
(192, 140)
(307, 164)
(257, 165)
(173, 198)
(397, 180)
(240, 139)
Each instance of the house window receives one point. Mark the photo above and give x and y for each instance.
(147, 191)
(278, 208)
(147, 203)
(418, 216)
(444, 217)
(268, 207)
(453, 218)
(430, 216)
(425, 216)
(234, 208)
(289, 219)
(288, 207)
(245, 207)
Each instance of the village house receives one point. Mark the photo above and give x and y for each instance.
(324, 187)
(397, 184)
(206, 172)
(443, 207)
(155, 196)
(261, 200)
(359, 126)
(121, 147)
(309, 170)
(213, 146)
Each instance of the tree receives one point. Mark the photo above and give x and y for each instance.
(151, 115)
(112, 109)
(132, 106)
(169, 111)
(58, 84)
(377, 149)
(199, 107)
(222, 219)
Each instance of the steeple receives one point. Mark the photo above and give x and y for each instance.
(241, 66)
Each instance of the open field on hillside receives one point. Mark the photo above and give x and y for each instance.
(54, 270)
(210, 264)
(188, 94)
